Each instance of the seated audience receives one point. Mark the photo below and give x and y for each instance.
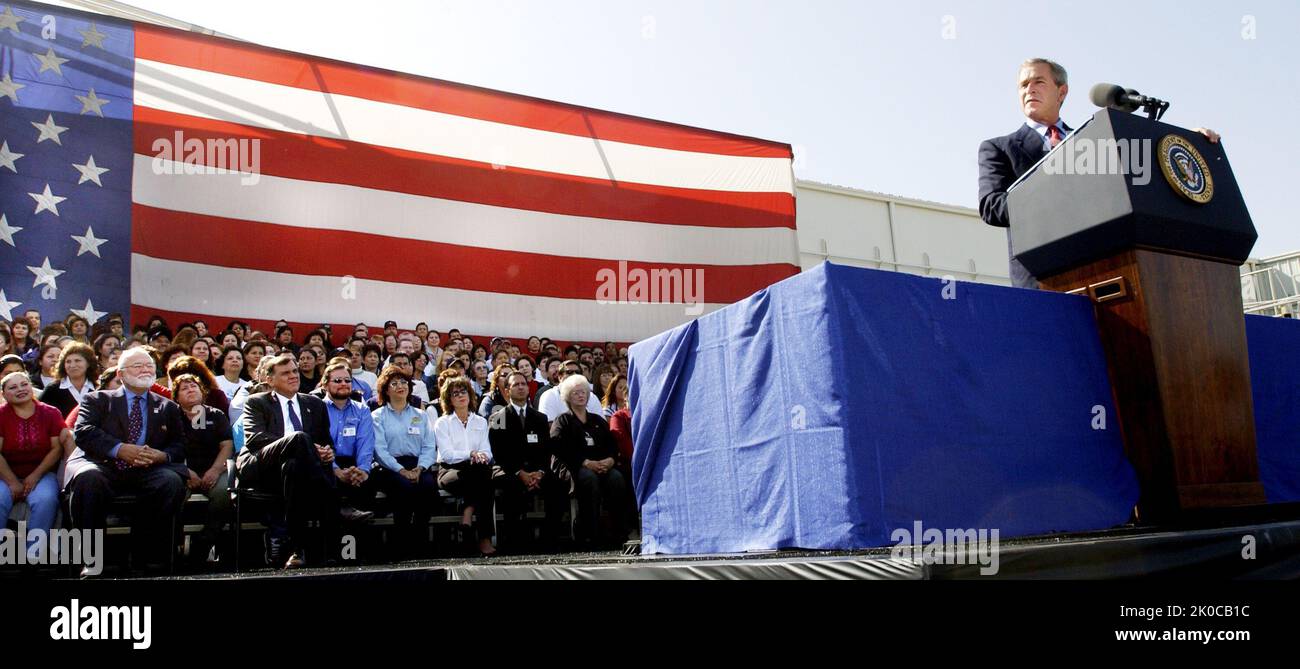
(32, 435)
(209, 443)
(552, 403)
(288, 451)
(405, 454)
(130, 441)
(583, 442)
(76, 367)
(465, 459)
(352, 429)
(521, 444)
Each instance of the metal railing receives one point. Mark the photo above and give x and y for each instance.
(1271, 286)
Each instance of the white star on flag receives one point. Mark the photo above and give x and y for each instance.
(89, 313)
(92, 37)
(8, 20)
(7, 231)
(8, 157)
(88, 243)
(51, 61)
(47, 201)
(45, 274)
(9, 89)
(92, 103)
(7, 307)
(49, 130)
(90, 172)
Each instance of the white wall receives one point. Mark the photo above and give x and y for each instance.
(865, 229)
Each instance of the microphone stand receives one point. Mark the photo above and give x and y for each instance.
(1155, 109)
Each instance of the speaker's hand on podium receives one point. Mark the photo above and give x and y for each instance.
(1209, 134)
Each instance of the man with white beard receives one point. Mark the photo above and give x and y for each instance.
(130, 442)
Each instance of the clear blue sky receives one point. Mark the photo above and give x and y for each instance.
(870, 93)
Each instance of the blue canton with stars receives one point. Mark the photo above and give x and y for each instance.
(66, 84)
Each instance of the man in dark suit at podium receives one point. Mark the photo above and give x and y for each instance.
(288, 451)
(1043, 87)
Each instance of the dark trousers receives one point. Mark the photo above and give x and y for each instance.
(362, 496)
(413, 502)
(160, 492)
(291, 468)
(473, 483)
(554, 491)
(597, 491)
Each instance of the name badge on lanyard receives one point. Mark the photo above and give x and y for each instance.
(532, 437)
(590, 441)
(350, 431)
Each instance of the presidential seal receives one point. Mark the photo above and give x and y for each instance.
(1185, 169)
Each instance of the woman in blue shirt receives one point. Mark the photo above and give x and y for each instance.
(404, 457)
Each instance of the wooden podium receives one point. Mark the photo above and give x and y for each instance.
(1158, 255)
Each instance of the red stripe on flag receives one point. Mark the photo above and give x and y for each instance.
(225, 242)
(319, 74)
(310, 158)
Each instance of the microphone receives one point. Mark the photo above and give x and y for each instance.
(1124, 99)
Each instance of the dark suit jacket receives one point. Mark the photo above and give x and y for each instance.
(59, 398)
(509, 439)
(104, 422)
(264, 422)
(1002, 160)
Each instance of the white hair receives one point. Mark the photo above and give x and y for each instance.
(132, 353)
(569, 384)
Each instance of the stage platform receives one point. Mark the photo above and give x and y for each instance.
(1122, 553)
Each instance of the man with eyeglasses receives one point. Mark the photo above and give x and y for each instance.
(353, 432)
(551, 404)
(130, 441)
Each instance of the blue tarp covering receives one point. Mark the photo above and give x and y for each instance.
(842, 403)
(1274, 344)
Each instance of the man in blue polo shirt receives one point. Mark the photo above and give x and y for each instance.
(353, 432)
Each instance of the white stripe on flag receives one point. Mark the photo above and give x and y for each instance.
(329, 206)
(221, 291)
(183, 90)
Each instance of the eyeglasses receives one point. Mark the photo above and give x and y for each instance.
(459, 391)
(340, 380)
(138, 367)
(399, 382)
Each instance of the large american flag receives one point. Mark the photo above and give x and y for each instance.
(353, 193)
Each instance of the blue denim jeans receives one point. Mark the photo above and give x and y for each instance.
(44, 504)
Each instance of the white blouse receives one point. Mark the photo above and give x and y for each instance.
(230, 388)
(456, 440)
(86, 386)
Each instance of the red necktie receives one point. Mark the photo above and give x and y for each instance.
(1053, 135)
